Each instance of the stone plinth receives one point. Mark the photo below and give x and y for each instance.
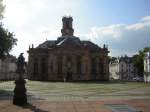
(20, 97)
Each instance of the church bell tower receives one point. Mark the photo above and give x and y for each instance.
(67, 29)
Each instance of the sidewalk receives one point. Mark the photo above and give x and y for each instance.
(142, 105)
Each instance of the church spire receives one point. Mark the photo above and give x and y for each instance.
(67, 26)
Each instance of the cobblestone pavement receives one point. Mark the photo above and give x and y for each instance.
(138, 93)
(74, 106)
(66, 100)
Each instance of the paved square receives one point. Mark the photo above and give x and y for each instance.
(77, 97)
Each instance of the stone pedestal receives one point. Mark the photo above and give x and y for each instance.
(20, 97)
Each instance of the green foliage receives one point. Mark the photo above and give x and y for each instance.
(111, 58)
(6, 38)
(6, 41)
(138, 60)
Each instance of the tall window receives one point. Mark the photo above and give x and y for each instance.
(35, 66)
(69, 62)
(69, 58)
(59, 61)
(78, 60)
(43, 65)
(86, 67)
(93, 65)
(51, 67)
(101, 66)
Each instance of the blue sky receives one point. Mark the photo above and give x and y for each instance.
(107, 12)
(122, 24)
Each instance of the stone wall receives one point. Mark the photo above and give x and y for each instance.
(69, 66)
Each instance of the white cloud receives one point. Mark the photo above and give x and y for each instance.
(147, 18)
(122, 38)
(34, 21)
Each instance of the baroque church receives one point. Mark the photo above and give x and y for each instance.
(68, 58)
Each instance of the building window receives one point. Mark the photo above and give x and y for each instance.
(51, 67)
(86, 67)
(43, 66)
(59, 60)
(69, 58)
(101, 66)
(35, 66)
(78, 60)
(69, 63)
(93, 65)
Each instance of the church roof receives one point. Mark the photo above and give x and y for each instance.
(61, 41)
(91, 45)
(47, 44)
(68, 39)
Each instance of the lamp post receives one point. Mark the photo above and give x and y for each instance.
(20, 97)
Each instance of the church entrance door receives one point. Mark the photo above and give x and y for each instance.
(69, 76)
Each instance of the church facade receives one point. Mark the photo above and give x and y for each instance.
(68, 58)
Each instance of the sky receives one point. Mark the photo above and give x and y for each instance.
(124, 25)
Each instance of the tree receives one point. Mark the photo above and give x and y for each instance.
(111, 59)
(7, 40)
(138, 60)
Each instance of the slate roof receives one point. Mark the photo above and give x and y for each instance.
(91, 45)
(126, 59)
(71, 40)
(47, 44)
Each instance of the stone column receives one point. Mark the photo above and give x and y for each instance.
(55, 66)
(97, 65)
(89, 67)
(39, 69)
(49, 67)
(86, 68)
(106, 68)
(83, 64)
(97, 68)
(101, 67)
(64, 67)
